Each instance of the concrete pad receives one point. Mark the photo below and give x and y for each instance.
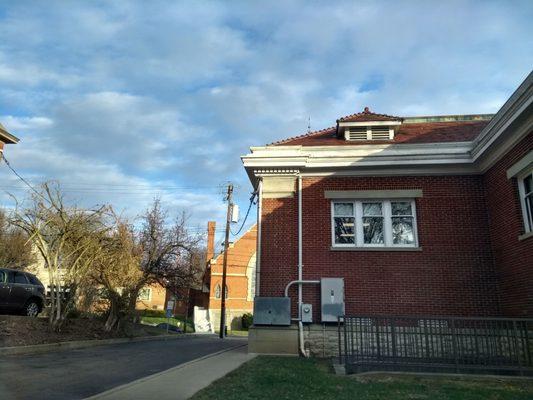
(183, 381)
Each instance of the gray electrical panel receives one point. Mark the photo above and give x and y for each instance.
(332, 298)
(272, 311)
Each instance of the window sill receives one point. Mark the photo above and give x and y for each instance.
(525, 236)
(333, 248)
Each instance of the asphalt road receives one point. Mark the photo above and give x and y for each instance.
(76, 374)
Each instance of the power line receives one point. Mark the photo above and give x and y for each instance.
(246, 217)
(2, 156)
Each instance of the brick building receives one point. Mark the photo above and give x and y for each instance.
(240, 278)
(418, 215)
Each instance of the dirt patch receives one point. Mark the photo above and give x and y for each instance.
(24, 331)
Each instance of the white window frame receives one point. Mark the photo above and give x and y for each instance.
(386, 210)
(528, 225)
(143, 292)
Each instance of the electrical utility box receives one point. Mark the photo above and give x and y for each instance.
(272, 311)
(332, 298)
(234, 213)
(307, 313)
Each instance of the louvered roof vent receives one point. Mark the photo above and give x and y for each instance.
(367, 125)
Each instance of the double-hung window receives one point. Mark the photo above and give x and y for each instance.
(374, 223)
(526, 198)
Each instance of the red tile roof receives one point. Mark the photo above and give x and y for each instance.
(423, 132)
(366, 116)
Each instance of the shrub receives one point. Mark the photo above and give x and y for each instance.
(247, 320)
(153, 313)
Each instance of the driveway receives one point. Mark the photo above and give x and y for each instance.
(76, 374)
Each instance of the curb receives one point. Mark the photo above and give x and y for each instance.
(81, 344)
(150, 377)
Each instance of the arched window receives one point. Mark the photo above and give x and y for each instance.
(218, 291)
(250, 274)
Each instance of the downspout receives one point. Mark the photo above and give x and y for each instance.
(258, 250)
(300, 263)
(300, 270)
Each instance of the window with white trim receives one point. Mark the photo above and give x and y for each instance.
(526, 199)
(373, 223)
(218, 291)
(145, 294)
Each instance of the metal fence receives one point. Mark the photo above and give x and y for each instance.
(461, 345)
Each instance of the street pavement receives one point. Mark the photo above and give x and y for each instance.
(77, 374)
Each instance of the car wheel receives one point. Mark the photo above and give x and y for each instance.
(31, 309)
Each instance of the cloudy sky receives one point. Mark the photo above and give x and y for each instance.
(123, 101)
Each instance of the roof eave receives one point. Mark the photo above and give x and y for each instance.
(7, 137)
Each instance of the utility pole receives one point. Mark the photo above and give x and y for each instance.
(225, 263)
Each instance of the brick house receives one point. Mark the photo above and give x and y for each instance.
(152, 297)
(419, 215)
(240, 278)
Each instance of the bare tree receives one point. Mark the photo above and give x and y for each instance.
(117, 271)
(68, 239)
(15, 249)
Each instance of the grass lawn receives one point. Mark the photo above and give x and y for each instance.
(177, 321)
(292, 378)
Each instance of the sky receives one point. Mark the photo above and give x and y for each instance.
(124, 101)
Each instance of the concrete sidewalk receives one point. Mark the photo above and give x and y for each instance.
(183, 381)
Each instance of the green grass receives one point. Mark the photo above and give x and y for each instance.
(295, 378)
(177, 321)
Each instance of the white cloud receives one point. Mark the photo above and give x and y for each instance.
(14, 123)
(155, 92)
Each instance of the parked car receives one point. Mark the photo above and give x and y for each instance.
(20, 292)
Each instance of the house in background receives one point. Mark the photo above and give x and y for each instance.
(240, 278)
(152, 297)
(417, 215)
(6, 138)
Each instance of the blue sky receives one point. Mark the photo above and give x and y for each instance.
(122, 101)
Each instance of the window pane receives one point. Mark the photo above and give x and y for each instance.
(344, 230)
(370, 209)
(401, 208)
(373, 230)
(20, 278)
(529, 210)
(343, 209)
(402, 230)
(528, 184)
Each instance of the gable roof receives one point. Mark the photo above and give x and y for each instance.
(367, 116)
(429, 129)
(241, 251)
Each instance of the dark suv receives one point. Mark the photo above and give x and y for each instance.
(20, 292)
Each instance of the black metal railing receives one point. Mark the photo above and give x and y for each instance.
(449, 344)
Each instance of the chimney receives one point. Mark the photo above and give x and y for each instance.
(211, 225)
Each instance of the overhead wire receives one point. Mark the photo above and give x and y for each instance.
(8, 164)
(246, 217)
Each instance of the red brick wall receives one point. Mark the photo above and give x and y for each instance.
(279, 246)
(239, 256)
(452, 275)
(513, 258)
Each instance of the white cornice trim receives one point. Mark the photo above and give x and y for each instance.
(291, 159)
(519, 101)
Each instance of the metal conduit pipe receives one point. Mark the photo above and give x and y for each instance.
(258, 250)
(299, 283)
(300, 270)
